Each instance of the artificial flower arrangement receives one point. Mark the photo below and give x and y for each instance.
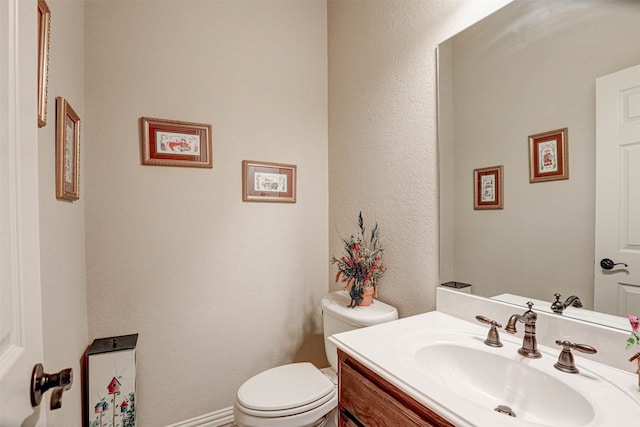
(634, 338)
(361, 266)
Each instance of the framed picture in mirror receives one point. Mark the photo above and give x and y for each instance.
(548, 156)
(488, 188)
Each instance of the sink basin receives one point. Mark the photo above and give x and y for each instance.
(442, 362)
(491, 383)
(491, 380)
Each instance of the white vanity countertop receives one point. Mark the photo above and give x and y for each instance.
(379, 348)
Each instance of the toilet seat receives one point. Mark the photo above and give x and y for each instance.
(301, 395)
(285, 390)
(318, 417)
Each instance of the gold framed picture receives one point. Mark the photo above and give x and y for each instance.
(549, 156)
(268, 182)
(67, 151)
(175, 143)
(487, 188)
(44, 29)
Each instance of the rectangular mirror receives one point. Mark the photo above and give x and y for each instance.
(526, 69)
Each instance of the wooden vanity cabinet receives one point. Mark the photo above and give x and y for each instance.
(366, 399)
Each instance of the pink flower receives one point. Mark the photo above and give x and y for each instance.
(634, 321)
(634, 338)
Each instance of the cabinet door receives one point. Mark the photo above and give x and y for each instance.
(363, 403)
(368, 400)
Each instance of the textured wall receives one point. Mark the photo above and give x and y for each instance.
(382, 133)
(217, 289)
(62, 223)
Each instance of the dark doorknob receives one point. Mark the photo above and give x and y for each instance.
(41, 382)
(607, 264)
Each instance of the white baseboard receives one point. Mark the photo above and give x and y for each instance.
(212, 419)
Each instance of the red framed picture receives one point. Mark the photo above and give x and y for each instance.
(268, 182)
(175, 143)
(487, 188)
(548, 156)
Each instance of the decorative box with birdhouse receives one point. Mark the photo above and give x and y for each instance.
(110, 382)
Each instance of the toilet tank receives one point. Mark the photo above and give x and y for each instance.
(337, 317)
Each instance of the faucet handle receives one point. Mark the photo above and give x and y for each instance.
(493, 337)
(580, 347)
(487, 321)
(565, 361)
(557, 306)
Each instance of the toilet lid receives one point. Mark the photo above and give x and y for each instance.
(285, 387)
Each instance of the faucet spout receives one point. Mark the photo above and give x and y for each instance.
(513, 320)
(573, 301)
(529, 343)
(559, 306)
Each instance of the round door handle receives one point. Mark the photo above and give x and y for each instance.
(607, 264)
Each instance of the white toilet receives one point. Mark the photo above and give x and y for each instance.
(299, 394)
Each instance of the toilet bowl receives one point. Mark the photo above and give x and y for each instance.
(299, 394)
(294, 395)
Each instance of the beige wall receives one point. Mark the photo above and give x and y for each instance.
(382, 133)
(217, 289)
(62, 223)
(507, 85)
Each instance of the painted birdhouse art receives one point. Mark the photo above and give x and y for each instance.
(114, 386)
(101, 407)
(111, 381)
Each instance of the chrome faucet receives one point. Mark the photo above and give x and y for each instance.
(529, 343)
(559, 306)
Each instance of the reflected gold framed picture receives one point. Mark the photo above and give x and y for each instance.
(488, 188)
(549, 156)
(268, 182)
(44, 30)
(67, 151)
(175, 143)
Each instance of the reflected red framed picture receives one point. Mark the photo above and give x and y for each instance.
(175, 143)
(488, 188)
(549, 156)
(268, 182)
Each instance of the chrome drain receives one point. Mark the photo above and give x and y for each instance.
(504, 409)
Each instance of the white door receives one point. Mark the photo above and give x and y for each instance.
(617, 290)
(20, 306)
